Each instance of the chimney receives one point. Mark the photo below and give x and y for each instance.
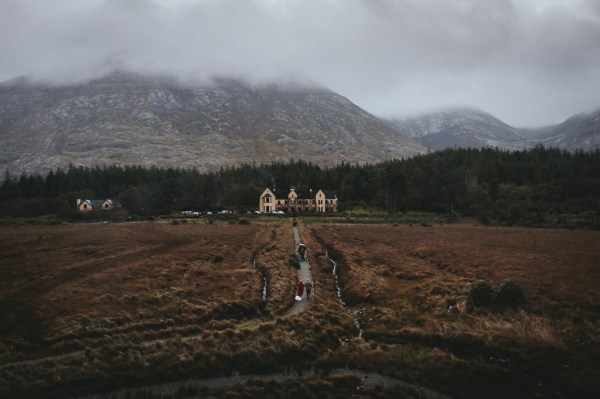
(78, 201)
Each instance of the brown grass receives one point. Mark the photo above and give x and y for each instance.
(116, 305)
(129, 303)
(84, 276)
(411, 284)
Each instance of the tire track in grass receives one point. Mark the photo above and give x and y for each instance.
(369, 380)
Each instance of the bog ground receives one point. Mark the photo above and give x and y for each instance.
(158, 308)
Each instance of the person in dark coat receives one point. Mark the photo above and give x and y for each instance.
(301, 251)
(308, 286)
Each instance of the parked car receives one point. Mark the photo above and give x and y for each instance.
(257, 212)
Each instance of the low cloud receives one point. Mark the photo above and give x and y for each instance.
(526, 62)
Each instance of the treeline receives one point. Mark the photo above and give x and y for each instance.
(492, 185)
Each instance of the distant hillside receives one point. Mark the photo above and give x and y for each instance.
(578, 132)
(464, 128)
(131, 119)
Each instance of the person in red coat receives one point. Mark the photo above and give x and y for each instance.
(300, 291)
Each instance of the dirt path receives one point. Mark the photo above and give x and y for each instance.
(304, 274)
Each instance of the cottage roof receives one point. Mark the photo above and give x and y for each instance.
(114, 203)
(97, 203)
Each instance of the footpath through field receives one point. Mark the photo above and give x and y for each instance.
(304, 274)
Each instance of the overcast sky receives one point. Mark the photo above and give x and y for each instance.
(528, 62)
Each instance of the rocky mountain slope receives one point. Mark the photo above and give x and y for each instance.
(463, 128)
(578, 132)
(130, 119)
(459, 128)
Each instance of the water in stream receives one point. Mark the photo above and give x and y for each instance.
(351, 311)
(265, 282)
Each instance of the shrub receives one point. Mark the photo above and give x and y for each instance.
(484, 219)
(243, 221)
(217, 259)
(482, 294)
(510, 293)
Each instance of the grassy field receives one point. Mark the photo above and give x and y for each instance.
(411, 285)
(91, 308)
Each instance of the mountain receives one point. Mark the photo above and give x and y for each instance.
(578, 132)
(459, 128)
(466, 128)
(132, 119)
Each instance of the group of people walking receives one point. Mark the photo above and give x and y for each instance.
(302, 288)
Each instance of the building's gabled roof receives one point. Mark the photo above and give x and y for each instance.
(268, 192)
(302, 194)
(330, 194)
(305, 194)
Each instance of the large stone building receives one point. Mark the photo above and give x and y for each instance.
(297, 202)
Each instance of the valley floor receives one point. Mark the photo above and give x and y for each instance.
(126, 308)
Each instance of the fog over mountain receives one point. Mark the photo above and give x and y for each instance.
(529, 63)
(468, 128)
(149, 120)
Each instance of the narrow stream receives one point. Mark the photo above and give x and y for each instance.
(351, 311)
(265, 281)
(264, 289)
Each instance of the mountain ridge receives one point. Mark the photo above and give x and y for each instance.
(126, 118)
(135, 119)
(470, 128)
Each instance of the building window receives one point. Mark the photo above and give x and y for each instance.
(84, 206)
